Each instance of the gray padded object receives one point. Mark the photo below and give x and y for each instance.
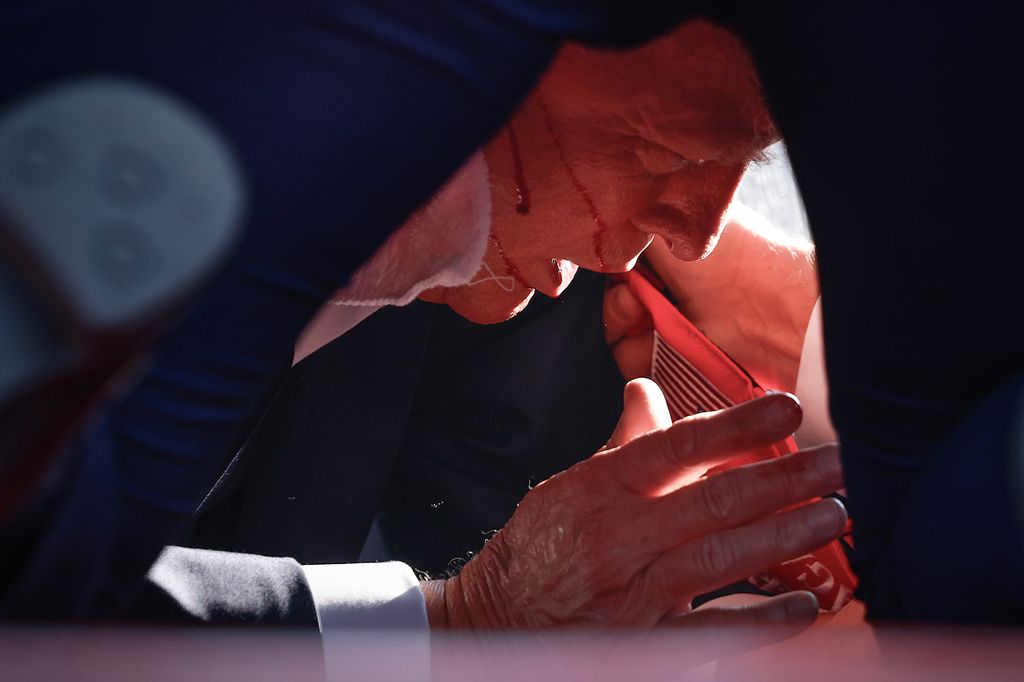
(119, 195)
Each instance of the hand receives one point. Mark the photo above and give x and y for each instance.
(628, 537)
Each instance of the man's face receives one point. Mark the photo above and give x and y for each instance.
(611, 149)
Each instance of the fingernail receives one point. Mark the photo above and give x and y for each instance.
(828, 517)
(783, 412)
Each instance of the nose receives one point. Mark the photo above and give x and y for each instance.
(689, 206)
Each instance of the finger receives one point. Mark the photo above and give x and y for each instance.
(737, 553)
(653, 463)
(798, 609)
(771, 620)
(623, 312)
(633, 355)
(643, 411)
(742, 495)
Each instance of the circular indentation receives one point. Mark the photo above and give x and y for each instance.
(38, 157)
(130, 176)
(123, 253)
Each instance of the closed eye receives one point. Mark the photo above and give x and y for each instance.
(658, 160)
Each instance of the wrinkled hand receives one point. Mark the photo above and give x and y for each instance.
(628, 537)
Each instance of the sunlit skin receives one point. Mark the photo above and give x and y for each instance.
(628, 537)
(752, 296)
(613, 148)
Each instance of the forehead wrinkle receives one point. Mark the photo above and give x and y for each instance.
(730, 137)
(693, 135)
(716, 106)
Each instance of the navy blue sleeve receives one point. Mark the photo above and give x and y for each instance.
(901, 130)
(193, 586)
(957, 548)
(345, 116)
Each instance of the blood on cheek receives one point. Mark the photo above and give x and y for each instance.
(509, 265)
(602, 226)
(523, 206)
(522, 191)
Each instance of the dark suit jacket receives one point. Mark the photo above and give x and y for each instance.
(224, 588)
(898, 123)
(434, 424)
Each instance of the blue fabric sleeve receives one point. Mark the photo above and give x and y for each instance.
(901, 130)
(345, 116)
(957, 548)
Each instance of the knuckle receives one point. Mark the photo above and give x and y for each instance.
(651, 588)
(695, 435)
(687, 439)
(787, 480)
(715, 556)
(807, 476)
(791, 482)
(708, 430)
(784, 537)
(669, 447)
(582, 475)
(719, 499)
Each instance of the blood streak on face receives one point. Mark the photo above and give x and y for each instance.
(509, 265)
(522, 190)
(611, 149)
(602, 227)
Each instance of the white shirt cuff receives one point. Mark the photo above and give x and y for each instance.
(354, 602)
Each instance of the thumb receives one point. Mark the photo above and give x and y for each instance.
(643, 410)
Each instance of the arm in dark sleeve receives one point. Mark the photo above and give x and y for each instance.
(188, 585)
(344, 116)
(902, 134)
(957, 548)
